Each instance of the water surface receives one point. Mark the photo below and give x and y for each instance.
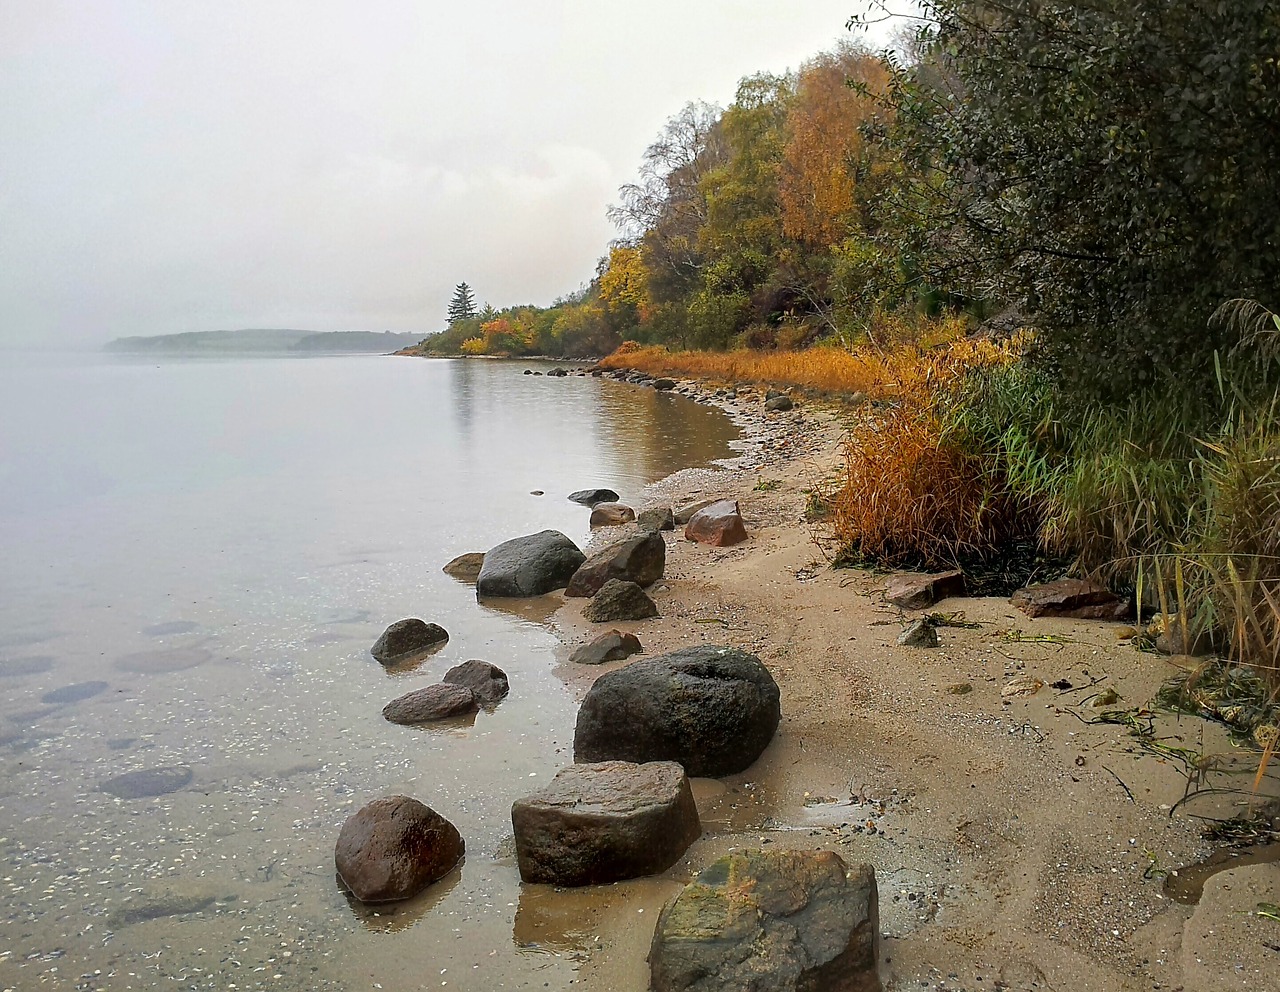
(198, 556)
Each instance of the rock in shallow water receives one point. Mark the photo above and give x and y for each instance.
(465, 568)
(148, 782)
(74, 693)
(712, 709)
(395, 847)
(604, 822)
(529, 566)
(590, 497)
(15, 667)
(611, 515)
(785, 921)
(406, 638)
(164, 660)
(435, 702)
(488, 682)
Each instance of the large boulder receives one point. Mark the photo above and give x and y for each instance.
(435, 702)
(590, 497)
(919, 591)
(1079, 599)
(619, 599)
(719, 524)
(488, 682)
(395, 847)
(407, 638)
(786, 921)
(613, 646)
(466, 568)
(611, 515)
(712, 709)
(779, 404)
(529, 566)
(641, 558)
(605, 822)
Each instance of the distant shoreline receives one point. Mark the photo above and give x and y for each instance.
(262, 341)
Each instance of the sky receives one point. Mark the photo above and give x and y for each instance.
(338, 164)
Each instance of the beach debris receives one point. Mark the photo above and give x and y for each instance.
(656, 518)
(719, 525)
(1078, 599)
(611, 515)
(394, 847)
(406, 639)
(619, 599)
(590, 497)
(640, 558)
(919, 591)
(611, 646)
(529, 566)
(783, 920)
(712, 709)
(465, 567)
(604, 822)
(1021, 685)
(488, 682)
(434, 702)
(919, 634)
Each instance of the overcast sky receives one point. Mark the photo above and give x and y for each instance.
(185, 165)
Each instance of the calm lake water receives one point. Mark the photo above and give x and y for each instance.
(196, 559)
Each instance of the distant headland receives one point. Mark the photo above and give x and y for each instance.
(266, 341)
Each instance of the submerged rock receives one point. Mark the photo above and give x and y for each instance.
(719, 525)
(712, 709)
(406, 638)
(148, 782)
(74, 693)
(395, 847)
(619, 600)
(641, 558)
(162, 660)
(605, 822)
(590, 497)
(611, 515)
(613, 646)
(466, 567)
(11, 668)
(435, 702)
(529, 566)
(785, 921)
(488, 682)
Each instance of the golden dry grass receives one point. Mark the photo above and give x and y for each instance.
(910, 372)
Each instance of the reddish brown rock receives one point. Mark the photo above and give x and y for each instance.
(395, 847)
(465, 568)
(918, 591)
(1077, 599)
(435, 702)
(611, 515)
(641, 558)
(719, 525)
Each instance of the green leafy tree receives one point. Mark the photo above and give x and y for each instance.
(463, 304)
(1108, 167)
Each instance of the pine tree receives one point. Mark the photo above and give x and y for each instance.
(463, 304)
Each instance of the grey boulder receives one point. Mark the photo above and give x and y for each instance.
(613, 646)
(712, 709)
(657, 518)
(641, 558)
(590, 497)
(529, 566)
(488, 682)
(605, 822)
(406, 638)
(618, 599)
(435, 702)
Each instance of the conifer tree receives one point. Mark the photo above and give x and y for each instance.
(463, 304)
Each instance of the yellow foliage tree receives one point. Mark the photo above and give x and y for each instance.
(625, 281)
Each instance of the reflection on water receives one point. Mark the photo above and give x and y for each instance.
(203, 553)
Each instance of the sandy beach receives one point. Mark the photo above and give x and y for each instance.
(1019, 841)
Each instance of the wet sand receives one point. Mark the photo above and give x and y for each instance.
(1019, 844)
